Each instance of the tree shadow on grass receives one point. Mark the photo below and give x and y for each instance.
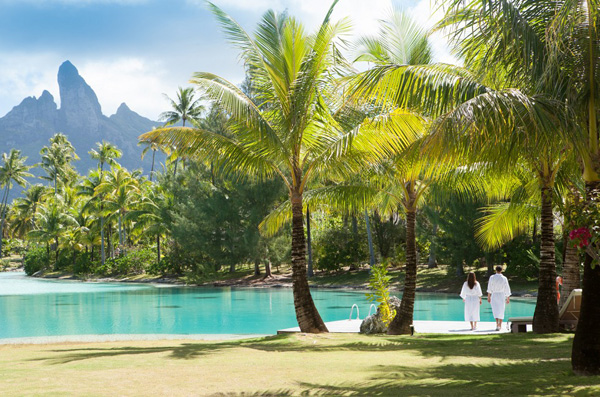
(504, 346)
(191, 350)
(184, 351)
(506, 379)
(496, 347)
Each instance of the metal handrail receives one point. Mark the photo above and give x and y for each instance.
(371, 307)
(352, 311)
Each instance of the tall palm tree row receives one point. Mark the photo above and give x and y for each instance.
(120, 190)
(104, 153)
(56, 161)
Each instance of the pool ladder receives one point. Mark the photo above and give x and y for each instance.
(357, 312)
(371, 308)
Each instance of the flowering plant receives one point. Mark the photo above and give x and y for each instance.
(580, 237)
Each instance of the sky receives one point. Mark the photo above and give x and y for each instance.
(135, 51)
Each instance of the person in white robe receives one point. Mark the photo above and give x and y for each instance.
(471, 295)
(498, 295)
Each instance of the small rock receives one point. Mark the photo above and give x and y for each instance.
(373, 324)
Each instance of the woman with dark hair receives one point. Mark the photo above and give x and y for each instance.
(471, 295)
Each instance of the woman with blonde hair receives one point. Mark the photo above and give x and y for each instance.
(471, 295)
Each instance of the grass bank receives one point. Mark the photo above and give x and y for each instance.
(439, 279)
(334, 364)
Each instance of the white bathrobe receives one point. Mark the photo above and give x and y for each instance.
(471, 297)
(500, 290)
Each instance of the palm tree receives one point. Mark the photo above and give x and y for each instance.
(184, 108)
(105, 153)
(119, 191)
(25, 209)
(152, 215)
(53, 222)
(13, 170)
(400, 41)
(149, 146)
(300, 132)
(56, 161)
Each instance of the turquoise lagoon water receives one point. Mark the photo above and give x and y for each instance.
(31, 307)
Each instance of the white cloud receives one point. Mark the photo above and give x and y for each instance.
(363, 14)
(428, 15)
(26, 75)
(73, 2)
(136, 81)
(140, 79)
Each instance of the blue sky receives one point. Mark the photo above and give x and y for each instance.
(133, 51)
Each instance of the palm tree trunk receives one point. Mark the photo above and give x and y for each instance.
(545, 317)
(109, 243)
(2, 214)
(102, 251)
(268, 268)
(307, 315)
(152, 167)
(256, 267)
(402, 323)
(585, 356)
(158, 247)
(571, 273)
(309, 245)
(120, 230)
(369, 241)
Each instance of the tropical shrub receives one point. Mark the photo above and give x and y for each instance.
(161, 268)
(84, 265)
(135, 260)
(337, 245)
(13, 246)
(379, 283)
(35, 259)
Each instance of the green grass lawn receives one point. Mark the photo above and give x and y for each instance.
(437, 279)
(330, 364)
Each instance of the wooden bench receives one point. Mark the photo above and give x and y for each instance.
(519, 324)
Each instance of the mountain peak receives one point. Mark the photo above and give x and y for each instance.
(79, 104)
(123, 108)
(46, 96)
(67, 69)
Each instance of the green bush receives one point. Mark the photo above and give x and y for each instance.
(35, 260)
(64, 261)
(521, 257)
(135, 260)
(161, 268)
(338, 246)
(13, 246)
(83, 264)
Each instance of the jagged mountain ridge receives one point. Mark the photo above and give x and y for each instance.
(29, 125)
